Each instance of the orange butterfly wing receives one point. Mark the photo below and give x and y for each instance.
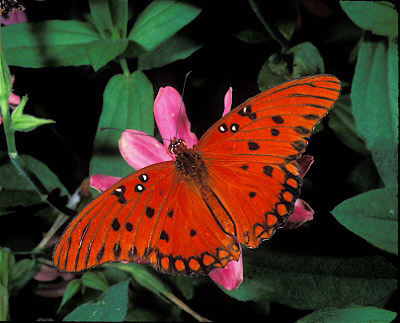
(150, 216)
(251, 153)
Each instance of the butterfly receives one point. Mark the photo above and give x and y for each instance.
(236, 186)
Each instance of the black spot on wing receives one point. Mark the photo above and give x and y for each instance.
(301, 130)
(278, 119)
(253, 145)
(268, 170)
(149, 212)
(275, 132)
(115, 225)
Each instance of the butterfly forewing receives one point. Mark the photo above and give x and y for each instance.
(273, 126)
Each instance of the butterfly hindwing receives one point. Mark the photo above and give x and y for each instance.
(260, 199)
(150, 217)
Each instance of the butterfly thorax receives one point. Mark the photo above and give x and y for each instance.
(188, 163)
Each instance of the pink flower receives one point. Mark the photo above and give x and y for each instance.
(14, 17)
(302, 211)
(54, 281)
(142, 150)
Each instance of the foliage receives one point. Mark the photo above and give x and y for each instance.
(99, 64)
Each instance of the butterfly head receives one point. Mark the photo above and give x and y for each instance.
(177, 146)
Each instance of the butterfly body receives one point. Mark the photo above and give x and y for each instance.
(236, 186)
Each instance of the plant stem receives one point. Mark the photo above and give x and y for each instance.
(18, 162)
(124, 66)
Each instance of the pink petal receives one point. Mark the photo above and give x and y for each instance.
(14, 99)
(305, 163)
(166, 113)
(140, 150)
(46, 274)
(15, 18)
(102, 182)
(302, 213)
(227, 101)
(229, 277)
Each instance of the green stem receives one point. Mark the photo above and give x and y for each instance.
(271, 29)
(19, 164)
(61, 218)
(9, 131)
(124, 66)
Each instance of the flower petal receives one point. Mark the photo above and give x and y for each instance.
(15, 18)
(140, 150)
(46, 274)
(227, 101)
(302, 213)
(229, 277)
(305, 163)
(14, 99)
(102, 182)
(168, 107)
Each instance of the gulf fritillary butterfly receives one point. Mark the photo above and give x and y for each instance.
(236, 186)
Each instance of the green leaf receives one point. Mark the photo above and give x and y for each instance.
(373, 216)
(145, 278)
(379, 17)
(22, 272)
(25, 122)
(101, 15)
(363, 177)
(306, 60)
(351, 314)
(312, 282)
(160, 20)
(72, 288)
(375, 114)
(103, 51)
(342, 123)
(112, 306)
(48, 43)
(300, 60)
(95, 280)
(284, 16)
(110, 17)
(127, 104)
(15, 190)
(252, 35)
(184, 284)
(119, 13)
(177, 47)
(374, 103)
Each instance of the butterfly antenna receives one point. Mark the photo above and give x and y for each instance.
(130, 131)
(180, 107)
